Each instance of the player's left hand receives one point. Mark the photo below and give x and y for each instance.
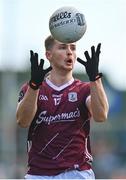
(92, 63)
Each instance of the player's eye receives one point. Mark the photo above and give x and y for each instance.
(73, 48)
(63, 46)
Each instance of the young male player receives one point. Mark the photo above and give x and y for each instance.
(57, 110)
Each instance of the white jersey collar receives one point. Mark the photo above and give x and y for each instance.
(59, 88)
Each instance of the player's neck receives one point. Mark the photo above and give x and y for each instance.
(60, 79)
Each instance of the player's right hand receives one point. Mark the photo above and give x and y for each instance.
(37, 71)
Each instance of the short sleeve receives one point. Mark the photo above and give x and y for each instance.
(22, 92)
(86, 92)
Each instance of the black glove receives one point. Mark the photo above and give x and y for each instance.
(91, 65)
(37, 71)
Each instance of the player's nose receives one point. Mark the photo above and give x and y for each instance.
(69, 51)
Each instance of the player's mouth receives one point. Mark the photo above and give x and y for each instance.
(69, 62)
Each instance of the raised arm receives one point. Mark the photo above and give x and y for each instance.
(97, 103)
(27, 107)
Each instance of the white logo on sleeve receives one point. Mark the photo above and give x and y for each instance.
(72, 96)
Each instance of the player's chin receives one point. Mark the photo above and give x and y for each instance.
(68, 68)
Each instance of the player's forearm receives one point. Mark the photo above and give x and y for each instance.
(99, 102)
(27, 108)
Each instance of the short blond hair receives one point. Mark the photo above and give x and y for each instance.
(49, 42)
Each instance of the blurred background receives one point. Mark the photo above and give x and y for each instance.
(24, 26)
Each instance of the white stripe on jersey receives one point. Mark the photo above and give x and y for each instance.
(59, 88)
(87, 153)
(48, 143)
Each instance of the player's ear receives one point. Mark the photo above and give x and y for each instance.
(48, 55)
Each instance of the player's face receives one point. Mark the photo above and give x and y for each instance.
(62, 56)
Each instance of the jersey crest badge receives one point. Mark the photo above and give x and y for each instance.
(72, 96)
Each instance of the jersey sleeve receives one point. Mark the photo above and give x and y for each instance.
(22, 92)
(87, 92)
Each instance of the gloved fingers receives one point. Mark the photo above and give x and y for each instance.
(81, 61)
(41, 63)
(48, 69)
(98, 49)
(92, 51)
(87, 55)
(33, 59)
(31, 52)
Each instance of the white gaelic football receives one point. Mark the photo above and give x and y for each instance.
(67, 24)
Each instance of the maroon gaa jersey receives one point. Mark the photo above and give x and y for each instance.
(58, 137)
